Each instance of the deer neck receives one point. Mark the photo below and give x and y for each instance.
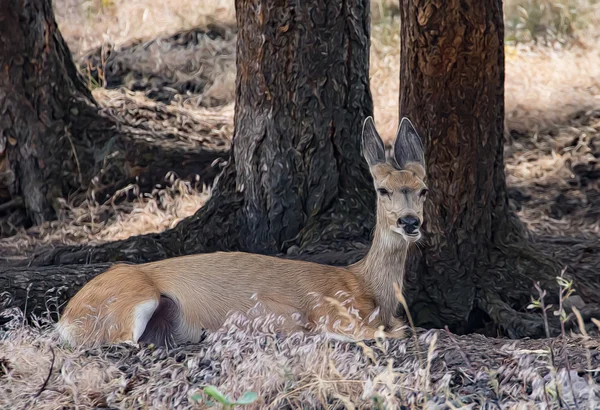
(382, 267)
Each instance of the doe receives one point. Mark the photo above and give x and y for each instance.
(174, 300)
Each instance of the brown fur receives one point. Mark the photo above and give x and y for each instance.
(200, 291)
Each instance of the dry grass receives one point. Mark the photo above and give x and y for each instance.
(93, 223)
(87, 24)
(298, 371)
(546, 84)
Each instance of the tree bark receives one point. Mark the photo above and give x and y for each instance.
(295, 178)
(478, 264)
(42, 97)
(42, 290)
(53, 139)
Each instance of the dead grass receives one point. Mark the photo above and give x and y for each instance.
(87, 24)
(91, 223)
(297, 371)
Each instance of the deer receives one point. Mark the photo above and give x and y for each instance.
(176, 300)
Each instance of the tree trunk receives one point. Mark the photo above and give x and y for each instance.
(45, 108)
(54, 140)
(295, 178)
(478, 264)
(42, 290)
(302, 95)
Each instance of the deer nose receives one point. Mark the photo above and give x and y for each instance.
(409, 223)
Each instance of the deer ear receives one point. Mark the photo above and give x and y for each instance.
(408, 146)
(372, 145)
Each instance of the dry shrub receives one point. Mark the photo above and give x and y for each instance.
(548, 21)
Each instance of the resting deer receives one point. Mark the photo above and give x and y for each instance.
(175, 300)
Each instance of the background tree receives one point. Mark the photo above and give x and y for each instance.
(46, 110)
(53, 139)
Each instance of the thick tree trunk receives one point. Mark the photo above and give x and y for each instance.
(42, 290)
(42, 97)
(302, 95)
(478, 264)
(53, 139)
(296, 179)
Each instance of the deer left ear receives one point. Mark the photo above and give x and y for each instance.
(372, 146)
(408, 147)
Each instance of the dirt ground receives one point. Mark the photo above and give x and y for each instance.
(185, 81)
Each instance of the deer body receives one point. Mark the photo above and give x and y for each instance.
(176, 299)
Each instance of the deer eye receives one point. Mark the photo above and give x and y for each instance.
(383, 192)
(424, 192)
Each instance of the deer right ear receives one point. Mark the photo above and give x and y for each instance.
(372, 145)
(408, 146)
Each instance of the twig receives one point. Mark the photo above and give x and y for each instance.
(565, 288)
(401, 299)
(542, 294)
(49, 374)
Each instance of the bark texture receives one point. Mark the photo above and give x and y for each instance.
(45, 109)
(54, 140)
(478, 264)
(42, 289)
(295, 178)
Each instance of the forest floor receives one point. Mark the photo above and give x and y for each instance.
(552, 158)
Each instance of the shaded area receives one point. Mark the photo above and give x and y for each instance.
(180, 66)
(582, 256)
(58, 142)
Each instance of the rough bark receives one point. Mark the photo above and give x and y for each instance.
(42, 290)
(295, 177)
(54, 140)
(45, 109)
(478, 264)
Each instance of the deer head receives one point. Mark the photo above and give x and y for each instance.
(400, 185)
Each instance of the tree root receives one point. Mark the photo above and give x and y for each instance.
(517, 325)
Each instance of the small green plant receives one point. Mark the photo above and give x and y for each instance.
(227, 403)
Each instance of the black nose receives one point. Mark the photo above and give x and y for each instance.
(409, 223)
